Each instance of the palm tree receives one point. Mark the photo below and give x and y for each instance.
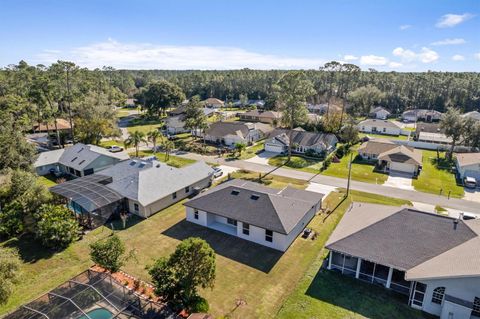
(239, 147)
(168, 145)
(154, 136)
(135, 139)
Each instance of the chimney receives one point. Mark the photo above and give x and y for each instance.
(455, 223)
(460, 216)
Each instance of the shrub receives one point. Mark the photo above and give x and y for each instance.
(198, 304)
(108, 253)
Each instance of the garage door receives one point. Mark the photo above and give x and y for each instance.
(273, 148)
(402, 167)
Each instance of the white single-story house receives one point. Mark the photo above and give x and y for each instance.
(214, 103)
(175, 123)
(380, 113)
(425, 115)
(375, 126)
(230, 133)
(468, 165)
(302, 141)
(251, 211)
(141, 186)
(78, 160)
(430, 258)
(390, 156)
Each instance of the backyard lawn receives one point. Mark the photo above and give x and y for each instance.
(432, 178)
(360, 171)
(175, 161)
(111, 143)
(260, 276)
(47, 180)
(309, 165)
(388, 137)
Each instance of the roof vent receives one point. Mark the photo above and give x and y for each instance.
(73, 160)
(235, 192)
(132, 163)
(80, 150)
(254, 197)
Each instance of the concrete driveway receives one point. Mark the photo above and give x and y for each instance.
(472, 194)
(399, 180)
(321, 188)
(226, 170)
(262, 158)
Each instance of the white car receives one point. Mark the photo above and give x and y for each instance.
(217, 172)
(114, 149)
(470, 182)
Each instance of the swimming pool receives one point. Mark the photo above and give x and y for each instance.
(100, 313)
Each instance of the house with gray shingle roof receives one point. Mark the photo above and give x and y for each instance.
(380, 113)
(375, 126)
(251, 211)
(302, 141)
(78, 160)
(230, 133)
(431, 258)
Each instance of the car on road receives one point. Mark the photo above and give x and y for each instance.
(217, 172)
(115, 149)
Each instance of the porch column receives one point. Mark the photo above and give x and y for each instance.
(389, 278)
(359, 264)
(330, 256)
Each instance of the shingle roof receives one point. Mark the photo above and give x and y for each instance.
(379, 123)
(402, 239)
(277, 210)
(466, 159)
(149, 180)
(402, 154)
(303, 138)
(80, 155)
(266, 114)
(49, 157)
(473, 114)
(227, 128)
(213, 101)
(379, 109)
(377, 146)
(62, 124)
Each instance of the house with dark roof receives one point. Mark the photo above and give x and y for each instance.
(175, 122)
(213, 103)
(380, 113)
(78, 160)
(375, 126)
(230, 133)
(251, 211)
(270, 117)
(424, 115)
(430, 258)
(302, 141)
(141, 186)
(63, 125)
(390, 156)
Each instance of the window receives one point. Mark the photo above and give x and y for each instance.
(418, 294)
(246, 229)
(384, 130)
(135, 207)
(174, 195)
(231, 221)
(187, 189)
(476, 307)
(437, 296)
(268, 235)
(195, 214)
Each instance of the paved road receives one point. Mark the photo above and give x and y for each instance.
(411, 195)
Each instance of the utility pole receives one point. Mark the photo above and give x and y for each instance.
(349, 174)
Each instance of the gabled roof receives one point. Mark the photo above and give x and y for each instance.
(183, 109)
(303, 138)
(379, 123)
(473, 114)
(255, 204)
(376, 146)
(77, 156)
(399, 237)
(379, 109)
(402, 154)
(227, 128)
(62, 124)
(147, 181)
(466, 159)
(266, 114)
(213, 101)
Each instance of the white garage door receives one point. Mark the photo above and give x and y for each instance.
(273, 148)
(402, 167)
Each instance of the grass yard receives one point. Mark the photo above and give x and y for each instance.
(111, 143)
(143, 128)
(249, 152)
(360, 171)
(47, 180)
(324, 294)
(301, 163)
(175, 161)
(433, 178)
(388, 137)
(123, 113)
(270, 180)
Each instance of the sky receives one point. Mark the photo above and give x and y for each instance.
(406, 35)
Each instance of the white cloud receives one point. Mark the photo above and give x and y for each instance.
(405, 27)
(477, 56)
(455, 41)
(458, 57)
(451, 20)
(374, 60)
(154, 56)
(395, 65)
(425, 55)
(350, 57)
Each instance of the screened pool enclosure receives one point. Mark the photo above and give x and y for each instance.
(91, 295)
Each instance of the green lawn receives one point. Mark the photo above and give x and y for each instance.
(388, 137)
(143, 128)
(47, 180)
(264, 278)
(325, 294)
(111, 143)
(270, 180)
(362, 172)
(250, 151)
(175, 161)
(297, 162)
(123, 113)
(434, 178)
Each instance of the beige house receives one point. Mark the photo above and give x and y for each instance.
(213, 103)
(270, 117)
(429, 258)
(389, 156)
(375, 126)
